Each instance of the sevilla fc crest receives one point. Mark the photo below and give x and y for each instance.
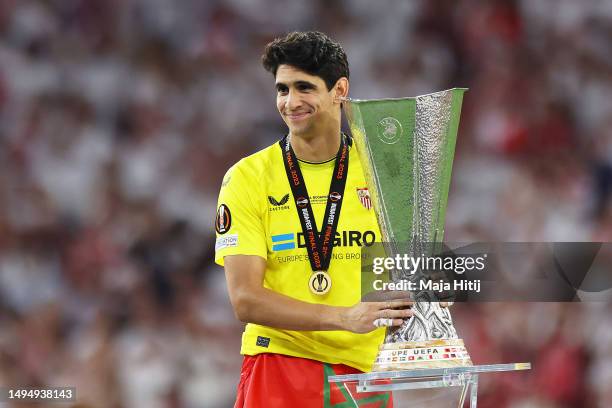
(364, 197)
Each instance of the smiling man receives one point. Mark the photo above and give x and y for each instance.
(290, 225)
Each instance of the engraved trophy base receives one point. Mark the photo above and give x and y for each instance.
(422, 354)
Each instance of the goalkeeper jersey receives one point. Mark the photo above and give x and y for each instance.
(256, 215)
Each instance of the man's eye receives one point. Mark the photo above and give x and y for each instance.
(282, 91)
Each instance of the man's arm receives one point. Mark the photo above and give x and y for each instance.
(253, 303)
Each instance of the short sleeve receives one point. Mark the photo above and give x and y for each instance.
(238, 223)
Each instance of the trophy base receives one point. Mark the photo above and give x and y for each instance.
(422, 354)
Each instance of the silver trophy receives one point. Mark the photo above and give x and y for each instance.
(406, 147)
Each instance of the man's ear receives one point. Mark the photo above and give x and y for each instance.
(341, 90)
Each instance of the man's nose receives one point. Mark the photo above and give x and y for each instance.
(293, 100)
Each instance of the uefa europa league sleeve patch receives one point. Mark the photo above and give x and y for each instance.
(223, 221)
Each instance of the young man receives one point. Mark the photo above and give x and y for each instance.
(290, 225)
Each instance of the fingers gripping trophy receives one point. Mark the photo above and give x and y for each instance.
(406, 147)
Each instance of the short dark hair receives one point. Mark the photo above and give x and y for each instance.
(312, 51)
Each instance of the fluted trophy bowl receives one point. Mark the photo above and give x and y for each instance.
(406, 147)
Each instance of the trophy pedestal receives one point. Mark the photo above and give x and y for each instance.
(422, 354)
(464, 377)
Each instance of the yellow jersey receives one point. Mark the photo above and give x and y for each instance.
(257, 216)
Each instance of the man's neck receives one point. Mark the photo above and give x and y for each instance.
(316, 149)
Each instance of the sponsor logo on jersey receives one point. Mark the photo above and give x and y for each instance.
(283, 242)
(279, 205)
(345, 239)
(282, 201)
(226, 241)
(364, 197)
(318, 199)
(223, 221)
(301, 202)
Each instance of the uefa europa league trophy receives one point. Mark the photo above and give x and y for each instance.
(406, 147)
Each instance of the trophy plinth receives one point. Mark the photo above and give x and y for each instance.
(464, 378)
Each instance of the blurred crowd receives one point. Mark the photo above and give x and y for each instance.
(118, 119)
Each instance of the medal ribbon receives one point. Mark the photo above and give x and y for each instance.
(319, 246)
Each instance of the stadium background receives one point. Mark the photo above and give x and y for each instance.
(118, 119)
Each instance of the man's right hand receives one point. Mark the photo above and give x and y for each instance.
(361, 317)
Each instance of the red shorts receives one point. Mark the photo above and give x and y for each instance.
(275, 380)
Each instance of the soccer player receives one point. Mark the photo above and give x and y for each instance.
(290, 224)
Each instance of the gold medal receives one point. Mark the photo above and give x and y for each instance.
(320, 283)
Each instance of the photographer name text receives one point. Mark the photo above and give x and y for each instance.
(428, 285)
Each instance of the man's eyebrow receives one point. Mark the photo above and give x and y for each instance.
(306, 84)
(300, 83)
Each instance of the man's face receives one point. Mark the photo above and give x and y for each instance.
(304, 102)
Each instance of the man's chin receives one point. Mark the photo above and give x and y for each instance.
(300, 131)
